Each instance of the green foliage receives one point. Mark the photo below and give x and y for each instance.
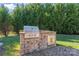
(62, 18)
(4, 20)
(17, 19)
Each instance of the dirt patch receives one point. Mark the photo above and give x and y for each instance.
(55, 51)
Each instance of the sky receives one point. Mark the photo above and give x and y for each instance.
(10, 6)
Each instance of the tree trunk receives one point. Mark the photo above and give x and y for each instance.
(17, 31)
(5, 33)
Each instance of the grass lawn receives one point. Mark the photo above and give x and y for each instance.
(12, 43)
(68, 40)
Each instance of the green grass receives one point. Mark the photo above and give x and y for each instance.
(12, 43)
(68, 40)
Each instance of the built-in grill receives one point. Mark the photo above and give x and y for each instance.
(32, 39)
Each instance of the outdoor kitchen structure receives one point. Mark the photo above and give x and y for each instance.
(33, 39)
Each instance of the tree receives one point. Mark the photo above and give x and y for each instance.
(62, 18)
(17, 19)
(4, 20)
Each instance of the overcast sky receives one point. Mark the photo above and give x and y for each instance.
(10, 6)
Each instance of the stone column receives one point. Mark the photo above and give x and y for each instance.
(22, 43)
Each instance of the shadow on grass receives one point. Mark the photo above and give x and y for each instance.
(11, 45)
(71, 41)
(68, 38)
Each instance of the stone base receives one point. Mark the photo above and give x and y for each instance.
(37, 43)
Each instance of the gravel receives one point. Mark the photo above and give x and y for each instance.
(55, 51)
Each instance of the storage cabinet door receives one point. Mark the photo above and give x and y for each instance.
(51, 39)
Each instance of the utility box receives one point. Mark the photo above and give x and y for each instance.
(32, 39)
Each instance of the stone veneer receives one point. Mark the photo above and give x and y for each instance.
(43, 41)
